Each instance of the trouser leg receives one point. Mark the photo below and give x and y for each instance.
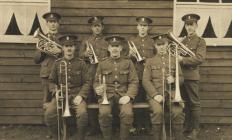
(51, 118)
(45, 86)
(156, 118)
(81, 119)
(105, 121)
(177, 116)
(126, 120)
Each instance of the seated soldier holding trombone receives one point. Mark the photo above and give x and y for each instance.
(116, 84)
(69, 76)
(161, 78)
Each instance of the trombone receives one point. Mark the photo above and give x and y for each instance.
(62, 110)
(102, 81)
(93, 59)
(135, 51)
(46, 45)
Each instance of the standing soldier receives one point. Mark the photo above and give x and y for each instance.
(190, 67)
(144, 45)
(47, 60)
(116, 81)
(78, 87)
(158, 68)
(99, 46)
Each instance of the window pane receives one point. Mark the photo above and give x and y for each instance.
(186, 0)
(227, 1)
(209, 0)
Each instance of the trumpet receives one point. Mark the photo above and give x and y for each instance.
(135, 51)
(103, 81)
(61, 109)
(93, 59)
(46, 45)
(182, 49)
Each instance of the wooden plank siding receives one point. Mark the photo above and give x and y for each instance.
(119, 15)
(20, 89)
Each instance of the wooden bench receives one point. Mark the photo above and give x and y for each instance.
(135, 105)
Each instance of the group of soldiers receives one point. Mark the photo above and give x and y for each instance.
(123, 79)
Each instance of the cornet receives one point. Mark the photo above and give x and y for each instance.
(64, 110)
(93, 59)
(46, 45)
(103, 82)
(135, 52)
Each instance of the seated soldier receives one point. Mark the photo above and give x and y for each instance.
(116, 81)
(158, 75)
(78, 86)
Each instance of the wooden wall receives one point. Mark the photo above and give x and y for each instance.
(119, 15)
(20, 89)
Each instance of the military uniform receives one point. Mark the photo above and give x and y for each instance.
(78, 85)
(153, 84)
(46, 60)
(121, 80)
(100, 48)
(190, 67)
(146, 49)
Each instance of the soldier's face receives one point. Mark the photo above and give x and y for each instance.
(52, 25)
(143, 28)
(161, 47)
(97, 28)
(191, 28)
(115, 50)
(69, 50)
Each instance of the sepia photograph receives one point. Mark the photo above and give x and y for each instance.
(115, 69)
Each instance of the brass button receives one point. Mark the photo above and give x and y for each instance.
(116, 76)
(69, 77)
(116, 69)
(115, 63)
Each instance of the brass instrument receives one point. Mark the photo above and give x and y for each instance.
(182, 49)
(134, 51)
(93, 59)
(46, 45)
(164, 135)
(62, 110)
(102, 81)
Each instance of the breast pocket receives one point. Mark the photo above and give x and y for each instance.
(123, 76)
(149, 52)
(76, 77)
(108, 75)
(155, 72)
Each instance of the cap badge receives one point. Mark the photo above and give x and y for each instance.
(67, 38)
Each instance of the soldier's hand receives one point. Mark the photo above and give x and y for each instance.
(100, 90)
(45, 106)
(170, 79)
(124, 100)
(180, 58)
(77, 100)
(88, 53)
(158, 98)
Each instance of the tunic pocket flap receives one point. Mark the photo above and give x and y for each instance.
(106, 72)
(124, 72)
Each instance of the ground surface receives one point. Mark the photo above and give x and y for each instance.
(22, 132)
